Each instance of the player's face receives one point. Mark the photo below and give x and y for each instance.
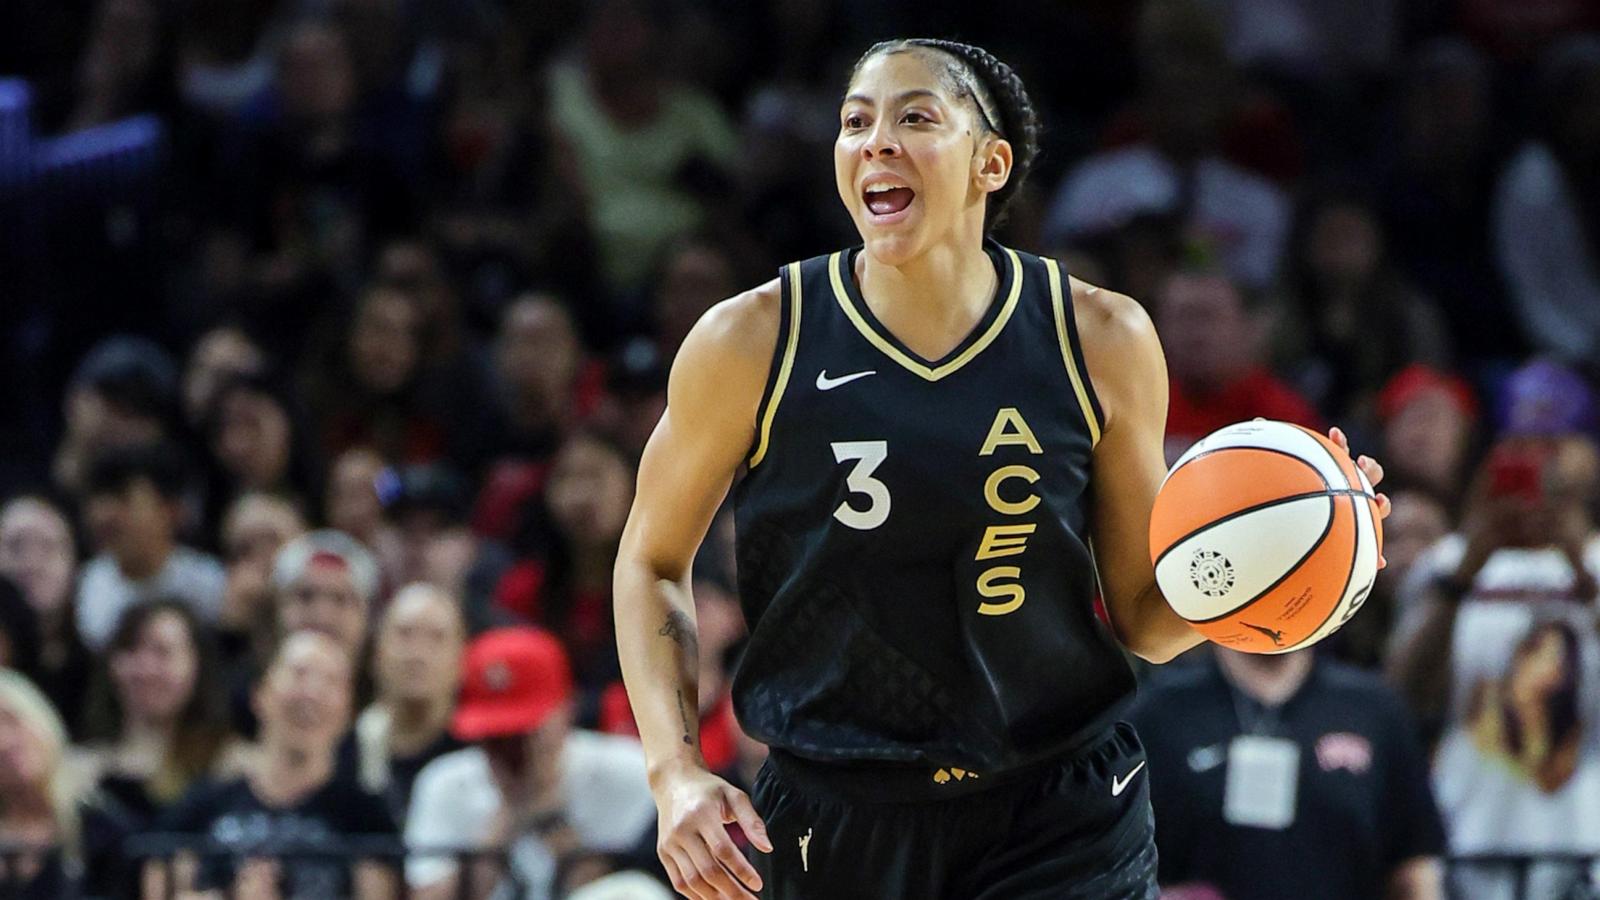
(907, 161)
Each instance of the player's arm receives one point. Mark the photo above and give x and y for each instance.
(1129, 373)
(702, 438)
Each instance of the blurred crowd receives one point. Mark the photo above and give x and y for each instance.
(314, 458)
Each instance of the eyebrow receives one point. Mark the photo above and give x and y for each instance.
(899, 98)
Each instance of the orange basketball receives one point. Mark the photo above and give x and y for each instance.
(1265, 537)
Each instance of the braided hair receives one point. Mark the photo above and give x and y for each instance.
(1004, 107)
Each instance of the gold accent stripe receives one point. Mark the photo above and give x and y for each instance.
(1066, 351)
(899, 356)
(784, 368)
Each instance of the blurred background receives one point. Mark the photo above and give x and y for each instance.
(353, 316)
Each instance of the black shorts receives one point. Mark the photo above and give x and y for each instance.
(1055, 831)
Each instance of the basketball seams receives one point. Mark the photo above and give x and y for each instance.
(1229, 517)
(1266, 484)
(1350, 574)
(1267, 591)
(1357, 487)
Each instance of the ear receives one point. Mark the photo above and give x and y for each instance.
(991, 164)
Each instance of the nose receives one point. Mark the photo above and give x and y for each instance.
(880, 142)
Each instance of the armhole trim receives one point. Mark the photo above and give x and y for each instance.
(789, 326)
(1067, 337)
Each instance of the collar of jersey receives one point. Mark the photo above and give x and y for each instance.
(848, 293)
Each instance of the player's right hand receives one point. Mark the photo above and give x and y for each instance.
(695, 807)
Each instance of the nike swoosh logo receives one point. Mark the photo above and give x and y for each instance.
(1118, 785)
(824, 383)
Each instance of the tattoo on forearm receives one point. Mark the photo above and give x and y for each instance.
(683, 713)
(680, 631)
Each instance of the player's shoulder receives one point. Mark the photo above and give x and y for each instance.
(1108, 319)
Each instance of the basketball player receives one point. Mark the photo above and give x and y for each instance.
(936, 428)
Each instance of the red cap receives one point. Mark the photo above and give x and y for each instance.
(1417, 379)
(512, 680)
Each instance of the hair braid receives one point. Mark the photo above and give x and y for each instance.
(1002, 101)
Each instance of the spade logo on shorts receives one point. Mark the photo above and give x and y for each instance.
(1211, 573)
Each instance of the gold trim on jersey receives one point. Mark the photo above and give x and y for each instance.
(1059, 306)
(784, 368)
(931, 373)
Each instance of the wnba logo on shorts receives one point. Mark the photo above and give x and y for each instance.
(1211, 573)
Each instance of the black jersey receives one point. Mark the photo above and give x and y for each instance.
(912, 546)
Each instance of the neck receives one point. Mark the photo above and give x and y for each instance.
(288, 772)
(146, 733)
(952, 274)
(416, 722)
(27, 807)
(146, 561)
(1269, 680)
(933, 299)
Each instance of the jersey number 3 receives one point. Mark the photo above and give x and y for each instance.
(867, 456)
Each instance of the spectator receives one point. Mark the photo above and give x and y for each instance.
(532, 784)
(254, 529)
(1436, 192)
(1546, 217)
(417, 671)
(310, 194)
(289, 801)
(326, 582)
(697, 272)
(566, 586)
(374, 392)
(542, 388)
(123, 69)
(217, 357)
(1429, 420)
(258, 441)
(1288, 757)
(636, 395)
(1178, 174)
(1213, 345)
(652, 154)
(39, 553)
(1360, 323)
(68, 843)
(1499, 652)
(1417, 520)
(430, 511)
(125, 392)
(19, 630)
(359, 483)
(131, 505)
(224, 55)
(156, 722)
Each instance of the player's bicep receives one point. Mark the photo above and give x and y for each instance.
(1128, 461)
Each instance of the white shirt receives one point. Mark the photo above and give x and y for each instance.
(195, 578)
(609, 807)
(1490, 805)
(1246, 215)
(1550, 269)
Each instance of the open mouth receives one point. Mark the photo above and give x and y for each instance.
(884, 200)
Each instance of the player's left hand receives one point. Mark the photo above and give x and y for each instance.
(1370, 468)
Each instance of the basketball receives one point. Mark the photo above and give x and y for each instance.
(1265, 537)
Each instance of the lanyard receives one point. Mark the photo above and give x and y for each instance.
(1254, 718)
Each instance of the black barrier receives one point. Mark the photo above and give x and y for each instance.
(1519, 868)
(164, 852)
